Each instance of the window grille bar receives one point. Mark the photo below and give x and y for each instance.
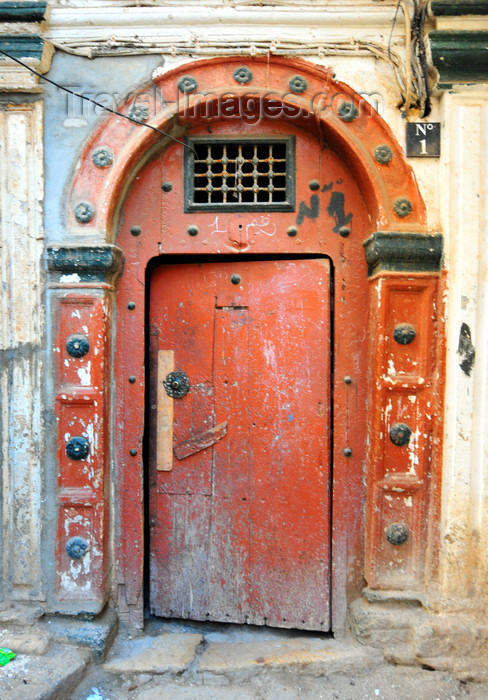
(252, 174)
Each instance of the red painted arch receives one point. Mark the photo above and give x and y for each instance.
(316, 108)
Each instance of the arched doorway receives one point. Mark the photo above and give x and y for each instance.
(347, 181)
(242, 529)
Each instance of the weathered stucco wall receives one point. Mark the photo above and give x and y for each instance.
(22, 344)
(464, 208)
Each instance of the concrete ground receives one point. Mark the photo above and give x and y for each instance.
(206, 661)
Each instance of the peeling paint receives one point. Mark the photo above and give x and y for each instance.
(70, 279)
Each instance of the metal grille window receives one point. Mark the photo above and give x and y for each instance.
(237, 175)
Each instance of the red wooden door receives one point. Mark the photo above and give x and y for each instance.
(240, 529)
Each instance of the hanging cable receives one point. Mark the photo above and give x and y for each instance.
(98, 104)
(423, 61)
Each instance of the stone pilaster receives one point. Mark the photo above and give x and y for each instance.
(21, 339)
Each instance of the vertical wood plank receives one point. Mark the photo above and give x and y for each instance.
(165, 410)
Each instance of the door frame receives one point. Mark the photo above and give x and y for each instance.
(401, 256)
(349, 363)
(151, 400)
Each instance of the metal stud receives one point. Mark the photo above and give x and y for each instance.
(132, 379)
(347, 111)
(167, 186)
(133, 452)
(347, 380)
(77, 448)
(136, 230)
(400, 434)
(344, 231)
(187, 84)
(347, 452)
(314, 185)
(84, 212)
(297, 83)
(77, 345)
(404, 333)
(102, 157)
(77, 547)
(192, 230)
(242, 75)
(402, 207)
(396, 533)
(235, 279)
(383, 154)
(139, 112)
(292, 231)
(131, 306)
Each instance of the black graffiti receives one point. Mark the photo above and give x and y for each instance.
(311, 212)
(336, 210)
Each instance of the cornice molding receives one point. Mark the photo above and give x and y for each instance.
(28, 11)
(458, 8)
(320, 22)
(21, 25)
(403, 252)
(460, 56)
(98, 262)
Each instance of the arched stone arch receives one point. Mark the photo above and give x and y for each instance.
(365, 141)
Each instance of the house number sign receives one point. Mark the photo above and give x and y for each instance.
(424, 139)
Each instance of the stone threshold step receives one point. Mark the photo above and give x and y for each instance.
(177, 653)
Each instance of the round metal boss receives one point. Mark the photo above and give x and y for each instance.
(139, 112)
(102, 157)
(187, 83)
(347, 111)
(77, 448)
(402, 207)
(176, 384)
(242, 75)
(383, 154)
(297, 83)
(77, 345)
(404, 333)
(76, 547)
(400, 434)
(84, 212)
(396, 533)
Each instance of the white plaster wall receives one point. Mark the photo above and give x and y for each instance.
(21, 332)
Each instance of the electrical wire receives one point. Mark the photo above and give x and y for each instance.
(423, 60)
(98, 104)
